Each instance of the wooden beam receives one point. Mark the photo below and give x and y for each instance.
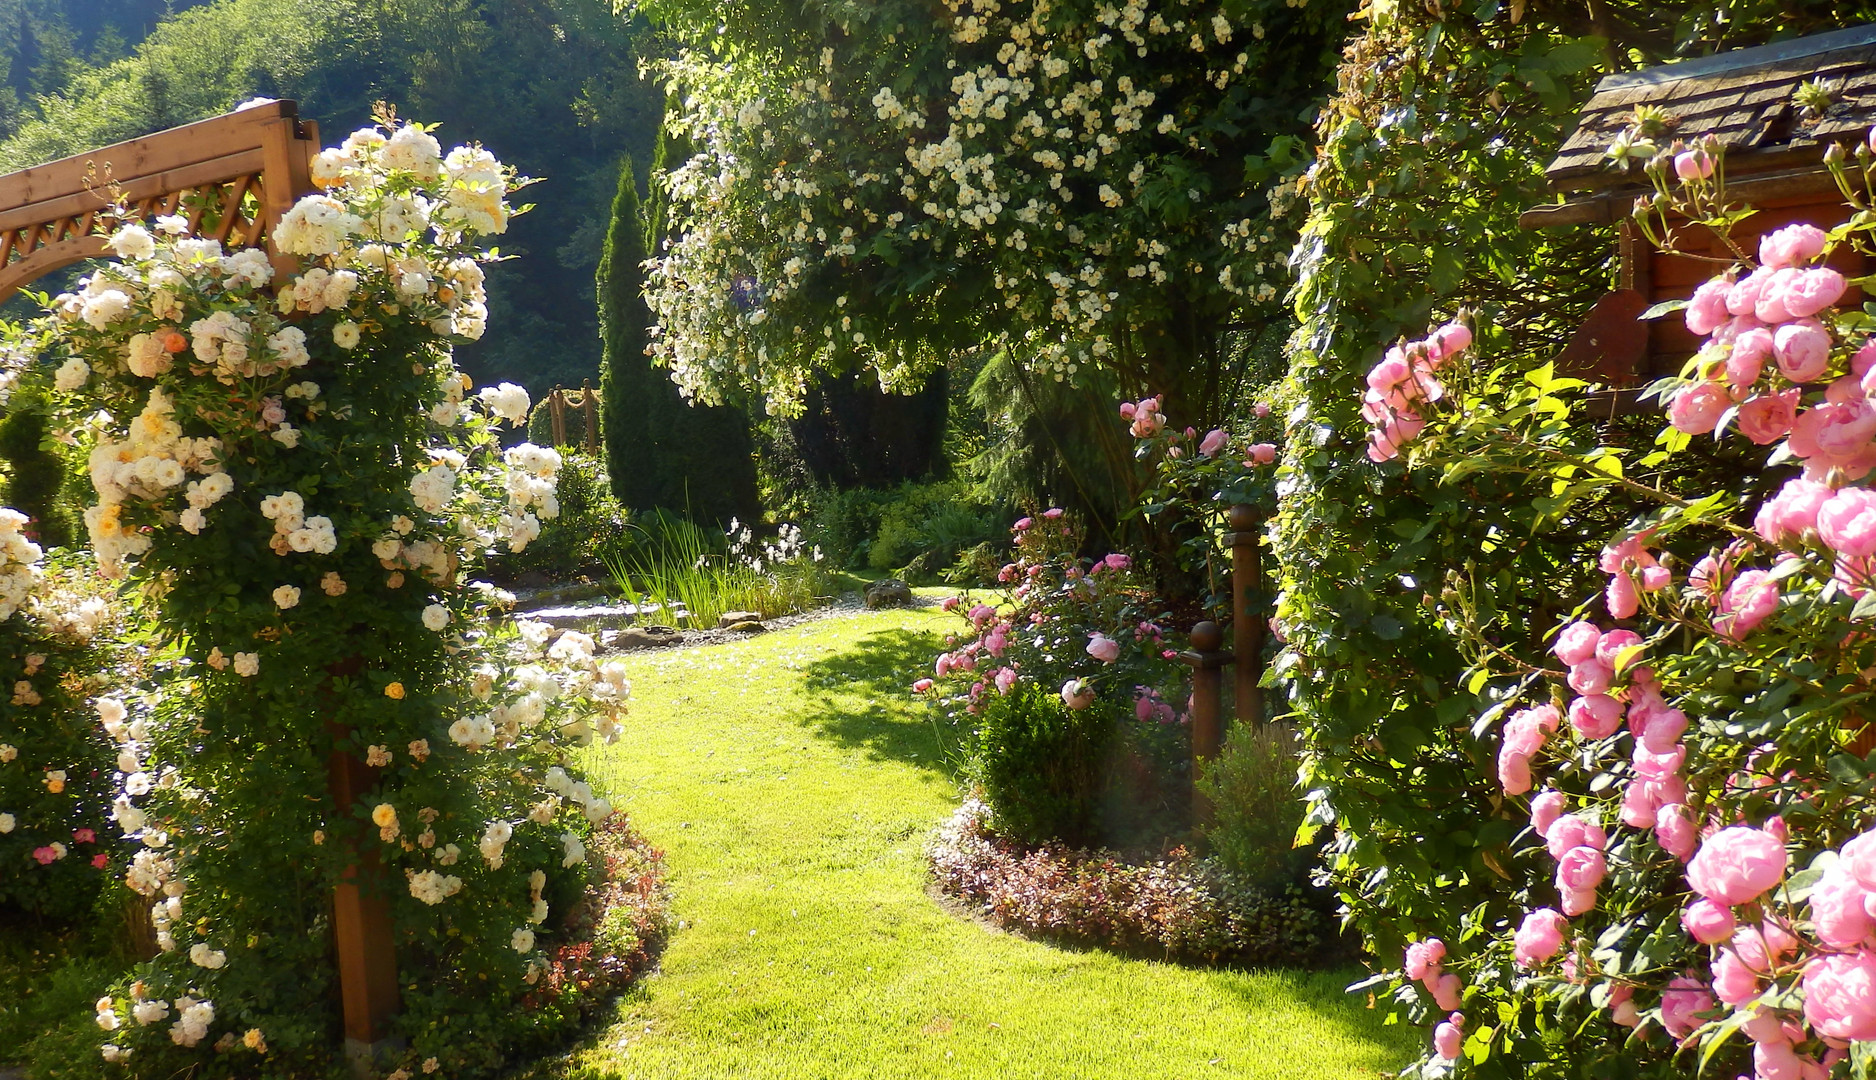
(47, 259)
(164, 184)
(1616, 205)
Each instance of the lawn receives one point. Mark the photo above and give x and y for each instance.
(792, 780)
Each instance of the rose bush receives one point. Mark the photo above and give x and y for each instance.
(290, 469)
(1695, 765)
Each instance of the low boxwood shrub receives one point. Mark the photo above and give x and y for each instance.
(1256, 807)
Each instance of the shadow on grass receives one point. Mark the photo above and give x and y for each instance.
(863, 698)
(1356, 1017)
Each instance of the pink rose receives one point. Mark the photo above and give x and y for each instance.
(1263, 453)
(1609, 647)
(1663, 731)
(1864, 360)
(1734, 981)
(100, 860)
(1847, 522)
(1449, 1036)
(1840, 995)
(84, 836)
(1737, 865)
(1858, 858)
(1707, 922)
(1053, 512)
(1448, 991)
(1077, 694)
(1812, 291)
(1592, 676)
(1653, 765)
(1793, 245)
(1744, 365)
(1622, 1008)
(1022, 524)
(1005, 679)
(1260, 410)
(1117, 561)
(1792, 512)
(1837, 434)
(46, 856)
(1743, 298)
(1424, 958)
(1449, 339)
(1595, 716)
(1577, 642)
(1681, 1003)
(1621, 598)
(921, 686)
(1213, 442)
(1691, 165)
(1803, 350)
(1838, 911)
(1546, 809)
(1767, 418)
(1696, 409)
(1747, 602)
(1676, 832)
(1539, 937)
(1706, 310)
(1103, 648)
(1569, 832)
(1581, 868)
(1126, 410)
(1770, 309)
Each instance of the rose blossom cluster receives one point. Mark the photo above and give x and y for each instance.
(1403, 382)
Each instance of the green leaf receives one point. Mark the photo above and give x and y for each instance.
(1665, 307)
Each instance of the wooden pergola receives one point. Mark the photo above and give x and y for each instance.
(231, 177)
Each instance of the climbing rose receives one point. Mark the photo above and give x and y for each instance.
(1736, 865)
(1693, 165)
(1847, 523)
(1545, 809)
(1539, 936)
(1793, 245)
(1684, 998)
(1448, 1035)
(1707, 922)
(1213, 442)
(1803, 350)
(1706, 310)
(1103, 648)
(1263, 453)
(1424, 957)
(1812, 291)
(1577, 643)
(1767, 418)
(1674, 828)
(1697, 408)
(1746, 603)
(1792, 512)
(1595, 716)
(1837, 908)
(1077, 694)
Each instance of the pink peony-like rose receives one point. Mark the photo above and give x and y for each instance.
(1595, 716)
(1747, 602)
(1707, 922)
(1449, 339)
(1847, 522)
(1840, 995)
(1664, 729)
(1575, 902)
(1767, 418)
(1571, 831)
(1260, 410)
(1838, 911)
(1577, 643)
(1653, 765)
(1448, 991)
(1793, 245)
(1005, 680)
(1838, 434)
(1737, 865)
(1812, 291)
(1539, 937)
(1103, 648)
(1213, 442)
(1449, 1036)
(1743, 298)
(1622, 1008)
(1803, 350)
(1858, 858)
(1581, 868)
(1546, 809)
(1676, 831)
(1263, 453)
(1696, 409)
(1621, 597)
(1077, 694)
(1681, 1005)
(921, 686)
(1592, 676)
(1751, 349)
(1126, 410)
(1424, 958)
(1792, 512)
(1514, 771)
(1863, 361)
(1609, 647)
(1706, 309)
(1771, 306)
(1734, 981)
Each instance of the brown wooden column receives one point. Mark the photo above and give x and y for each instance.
(1247, 625)
(1206, 660)
(361, 924)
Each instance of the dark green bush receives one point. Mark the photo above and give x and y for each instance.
(1041, 766)
(35, 477)
(591, 525)
(1256, 805)
(926, 527)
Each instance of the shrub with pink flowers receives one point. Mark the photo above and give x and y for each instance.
(1068, 694)
(1693, 883)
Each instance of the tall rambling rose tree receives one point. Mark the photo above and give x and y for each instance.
(1078, 181)
(292, 473)
(1695, 765)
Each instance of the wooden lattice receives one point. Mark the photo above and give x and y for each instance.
(231, 176)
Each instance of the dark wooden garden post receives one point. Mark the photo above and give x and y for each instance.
(1247, 625)
(557, 413)
(589, 405)
(1206, 659)
(361, 925)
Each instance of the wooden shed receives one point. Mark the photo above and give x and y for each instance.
(1774, 160)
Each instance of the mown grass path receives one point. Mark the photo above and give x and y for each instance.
(792, 781)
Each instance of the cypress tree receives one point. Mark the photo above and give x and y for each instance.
(660, 451)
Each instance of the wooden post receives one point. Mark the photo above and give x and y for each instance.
(361, 925)
(1205, 658)
(589, 404)
(557, 415)
(1247, 625)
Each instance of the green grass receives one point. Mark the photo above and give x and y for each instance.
(792, 781)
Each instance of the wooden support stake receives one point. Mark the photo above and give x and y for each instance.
(557, 415)
(361, 923)
(589, 404)
(1205, 658)
(1247, 625)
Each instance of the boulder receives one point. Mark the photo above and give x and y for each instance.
(747, 626)
(889, 593)
(729, 619)
(640, 637)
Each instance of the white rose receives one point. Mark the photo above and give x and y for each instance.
(522, 941)
(286, 596)
(435, 617)
(345, 335)
(72, 374)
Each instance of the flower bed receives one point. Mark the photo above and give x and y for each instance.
(1177, 907)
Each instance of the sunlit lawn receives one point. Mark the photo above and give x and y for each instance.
(793, 781)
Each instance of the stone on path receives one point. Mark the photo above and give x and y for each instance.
(640, 637)
(889, 593)
(747, 626)
(729, 619)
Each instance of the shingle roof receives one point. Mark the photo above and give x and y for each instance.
(1744, 97)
